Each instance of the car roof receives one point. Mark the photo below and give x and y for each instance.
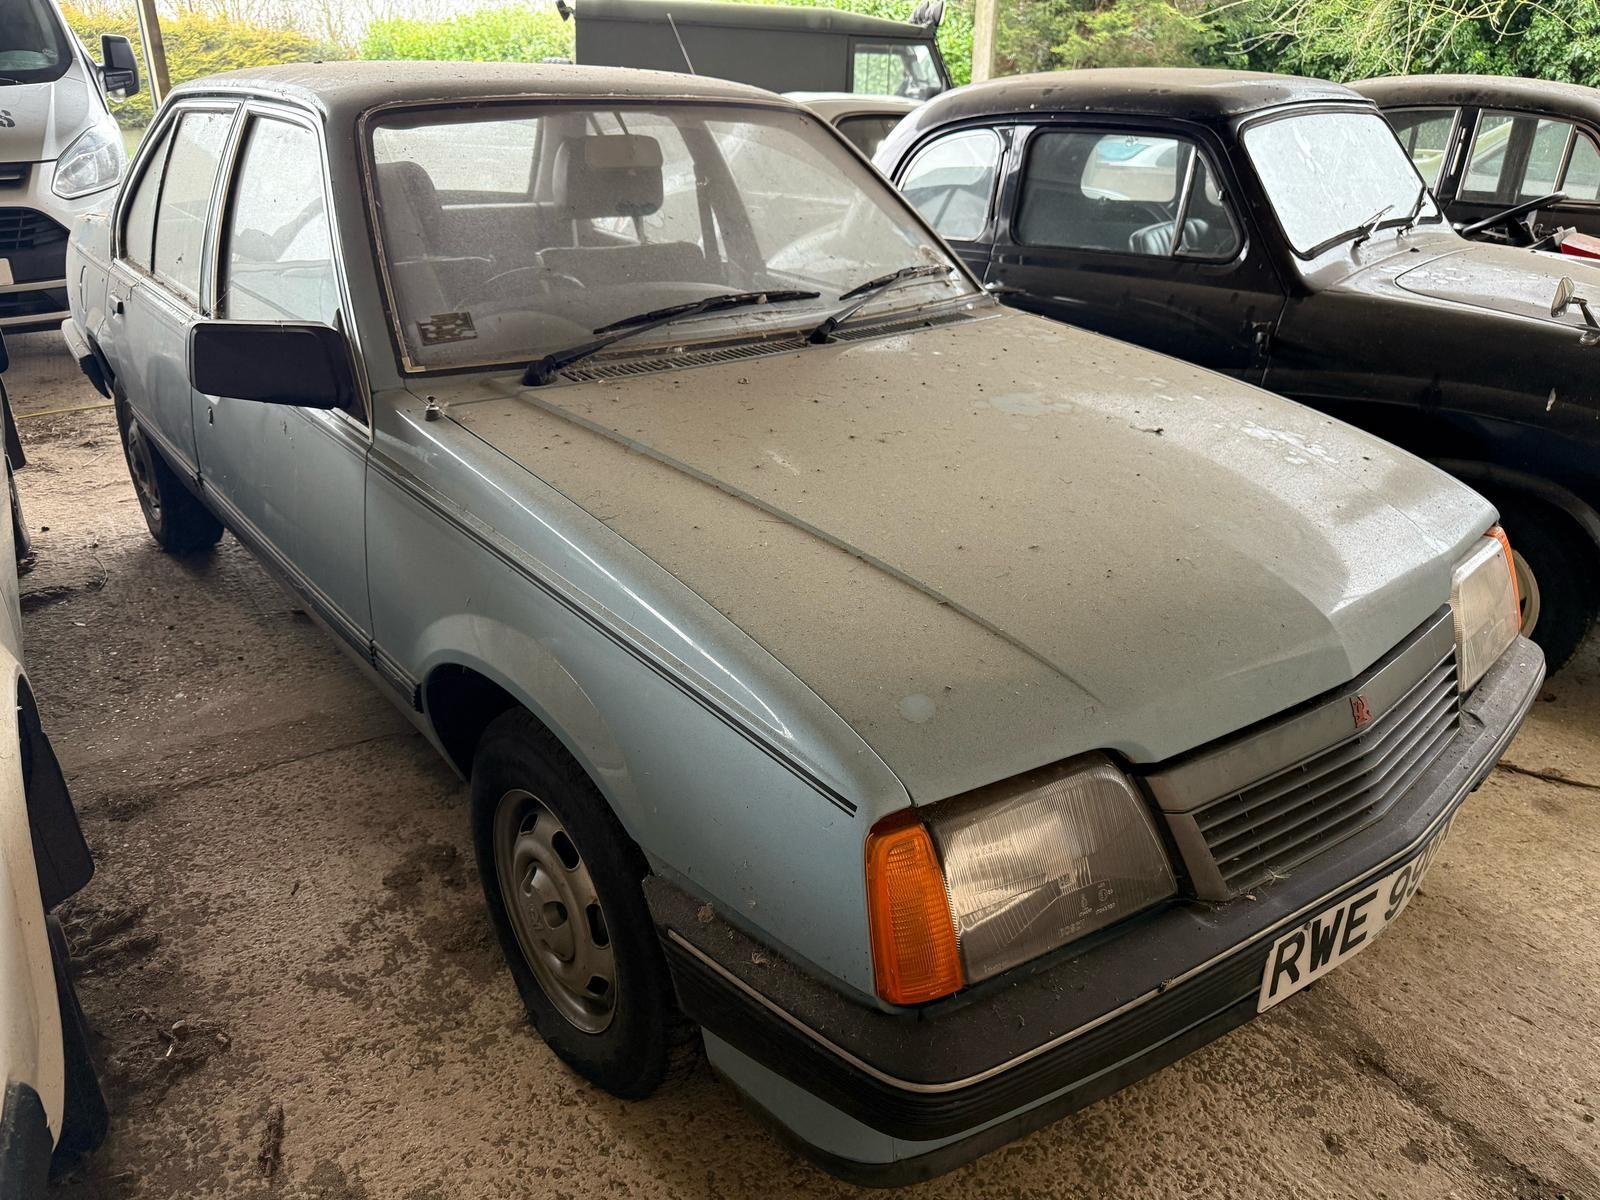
(831, 105)
(751, 16)
(1492, 91)
(1147, 91)
(345, 90)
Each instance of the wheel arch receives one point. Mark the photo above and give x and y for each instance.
(1492, 478)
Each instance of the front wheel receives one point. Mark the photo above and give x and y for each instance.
(1556, 578)
(562, 880)
(177, 520)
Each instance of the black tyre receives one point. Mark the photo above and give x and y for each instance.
(178, 521)
(562, 878)
(1556, 577)
(85, 1119)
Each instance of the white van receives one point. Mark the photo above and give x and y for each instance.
(60, 151)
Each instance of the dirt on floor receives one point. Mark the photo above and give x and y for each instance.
(296, 991)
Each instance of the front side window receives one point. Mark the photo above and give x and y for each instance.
(185, 202)
(951, 182)
(1123, 193)
(1425, 133)
(623, 210)
(33, 43)
(895, 69)
(1515, 157)
(1331, 175)
(277, 252)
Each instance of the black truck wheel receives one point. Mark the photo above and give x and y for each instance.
(1556, 578)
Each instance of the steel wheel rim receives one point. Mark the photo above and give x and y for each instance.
(143, 471)
(554, 909)
(1527, 591)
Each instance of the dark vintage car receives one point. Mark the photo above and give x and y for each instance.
(1495, 149)
(1272, 228)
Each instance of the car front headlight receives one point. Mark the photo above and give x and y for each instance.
(976, 885)
(92, 163)
(1486, 607)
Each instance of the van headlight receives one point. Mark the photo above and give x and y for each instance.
(92, 163)
(976, 885)
(1486, 607)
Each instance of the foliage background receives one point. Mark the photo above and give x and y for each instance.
(1336, 39)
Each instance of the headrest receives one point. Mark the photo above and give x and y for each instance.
(409, 183)
(608, 175)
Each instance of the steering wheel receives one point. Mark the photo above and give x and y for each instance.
(1518, 231)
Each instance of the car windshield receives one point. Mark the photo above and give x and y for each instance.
(1329, 173)
(511, 232)
(33, 46)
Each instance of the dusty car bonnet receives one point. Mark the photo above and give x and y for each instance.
(1504, 279)
(1000, 542)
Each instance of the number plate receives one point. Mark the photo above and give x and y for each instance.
(1301, 957)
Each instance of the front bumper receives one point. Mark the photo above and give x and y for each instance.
(892, 1097)
(35, 224)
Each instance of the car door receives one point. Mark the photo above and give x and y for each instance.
(290, 480)
(1518, 156)
(157, 274)
(951, 180)
(1134, 232)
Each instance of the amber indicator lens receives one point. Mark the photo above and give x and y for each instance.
(914, 951)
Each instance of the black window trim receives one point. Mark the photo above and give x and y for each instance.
(1002, 140)
(1024, 152)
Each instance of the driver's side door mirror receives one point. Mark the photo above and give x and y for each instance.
(272, 362)
(119, 70)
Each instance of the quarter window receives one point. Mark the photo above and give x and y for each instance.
(951, 181)
(278, 253)
(139, 228)
(186, 198)
(1582, 181)
(1124, 193)
(1425, 133)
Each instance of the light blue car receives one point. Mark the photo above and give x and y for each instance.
(955, 714)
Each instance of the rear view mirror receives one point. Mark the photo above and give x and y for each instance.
(119, 71)
(304, 366)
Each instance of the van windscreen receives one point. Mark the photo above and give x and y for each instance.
(33, 44)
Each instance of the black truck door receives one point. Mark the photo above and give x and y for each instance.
(1134, 232)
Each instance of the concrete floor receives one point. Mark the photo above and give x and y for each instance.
(286, 920)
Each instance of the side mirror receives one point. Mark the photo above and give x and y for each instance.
(120, 70)
(1566, 296)
(1566, 291)
(303, 366)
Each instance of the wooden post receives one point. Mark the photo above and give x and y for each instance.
(984, 21)
(155, 51)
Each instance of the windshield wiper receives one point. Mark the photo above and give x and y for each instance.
(865, 293)
(542, 370)
(1416, 210)
(1355, 235)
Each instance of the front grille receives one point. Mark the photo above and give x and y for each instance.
(1285, 819)
(25, 229)
(14, 175)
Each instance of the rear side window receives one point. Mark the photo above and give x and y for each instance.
(1425, 133)
(139, 227)
(277, 254)
(951, 182)
(1123, 193)
(186, 198)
